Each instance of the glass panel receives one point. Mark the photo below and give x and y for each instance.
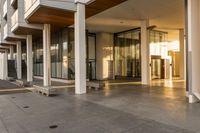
(65, 54)
(127, 54)
(91, 55)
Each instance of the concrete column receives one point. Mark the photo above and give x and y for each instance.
(182, 54)
(5, 65)
(47, 54)
(19, 60)
(80, 49)
(11, 52)
(145, 48)
(194, 49)
(1, 67)
(29, 58)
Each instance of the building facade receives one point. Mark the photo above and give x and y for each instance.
(50, 39)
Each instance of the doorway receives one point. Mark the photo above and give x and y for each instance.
(157, 67)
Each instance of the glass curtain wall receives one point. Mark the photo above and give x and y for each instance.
(127, 54)
(38, 57)
(62, 55)
(128, 51)
(159, 53)
(91, 56)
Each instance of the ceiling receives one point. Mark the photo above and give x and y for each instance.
(165, 14)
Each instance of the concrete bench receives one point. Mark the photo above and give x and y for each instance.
(23, 83)
(95, 84)
(45, 90)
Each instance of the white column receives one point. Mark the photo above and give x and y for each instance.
(80, 49)
(182, 54)
(47, 54)
(11, 53)
(19, 60)
(145, 55)
(194, 49)
(29, 58)
(1, 67)
(5, 65)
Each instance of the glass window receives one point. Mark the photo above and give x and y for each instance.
(127, 54)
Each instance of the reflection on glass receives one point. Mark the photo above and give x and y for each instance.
(127, 54)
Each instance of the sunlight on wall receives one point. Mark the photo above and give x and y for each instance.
(174, 46)
(162, 49)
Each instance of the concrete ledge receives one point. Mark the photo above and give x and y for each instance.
(95, 84)
(48, 91)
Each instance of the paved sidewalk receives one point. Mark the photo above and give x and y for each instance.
(7, 87)
(126, 108)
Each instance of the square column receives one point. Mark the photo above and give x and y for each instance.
(47, 55)
(19, 60)
(80, 49)
(29, 59)
(11, 53)
(145, 48)
(193, 61)
(182, 54)
(5, 65)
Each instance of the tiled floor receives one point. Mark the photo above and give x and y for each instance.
(119, 108)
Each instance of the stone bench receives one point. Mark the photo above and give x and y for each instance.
(48, 91)
(95, 84)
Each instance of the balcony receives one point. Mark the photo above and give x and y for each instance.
(5, 9)
(28, 4)
(21, 27)
(5, 32)
(14, 19)
(13, 3)
(61, 12)
(1, 40)
(50, 11)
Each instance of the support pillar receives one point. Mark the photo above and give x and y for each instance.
(5, 65)
(29, 59)
(182, 54)
(19, 60)
(145, 48)
(47, 55)
(80, 49)
(11, 52)
(193, 61)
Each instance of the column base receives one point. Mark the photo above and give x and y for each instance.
(193, 99)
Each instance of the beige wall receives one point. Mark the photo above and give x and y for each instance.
(104, 52)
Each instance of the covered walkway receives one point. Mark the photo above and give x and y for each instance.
(129, 107)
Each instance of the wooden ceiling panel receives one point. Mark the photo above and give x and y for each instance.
(62, 18)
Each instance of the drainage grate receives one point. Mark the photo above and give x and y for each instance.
(53, 126)
(26, 107)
